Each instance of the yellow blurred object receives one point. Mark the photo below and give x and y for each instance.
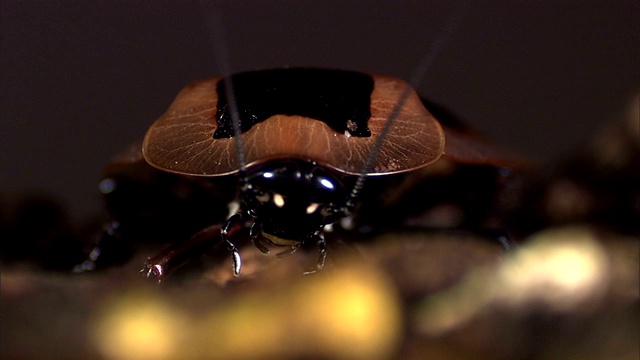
(139, 326)
(560, 270)
(352, 312)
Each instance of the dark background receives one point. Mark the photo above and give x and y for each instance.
(82, 80)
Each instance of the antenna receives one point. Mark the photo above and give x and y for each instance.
(222, 60)
(415, 80)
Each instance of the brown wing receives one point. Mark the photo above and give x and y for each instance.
(468, 147)
(465, 145)
(181, 141)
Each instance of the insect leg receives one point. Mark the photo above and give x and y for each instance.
(109, 248)
(322, 252)
(289, 251)
(257, 241)
(235, 221)
(161, 265)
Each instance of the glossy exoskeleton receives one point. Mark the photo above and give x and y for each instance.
(290, 202)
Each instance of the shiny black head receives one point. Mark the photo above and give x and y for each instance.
(293, 199)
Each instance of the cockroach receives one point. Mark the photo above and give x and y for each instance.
(309, 138)
(299, 144)
(304, 130)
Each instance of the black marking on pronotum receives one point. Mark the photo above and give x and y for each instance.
(340, 99)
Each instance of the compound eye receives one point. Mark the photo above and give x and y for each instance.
(268, 175)
(325, 189)
(324, 184)
(327, 184)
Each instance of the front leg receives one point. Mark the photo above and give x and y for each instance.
(256, 239)
(159, 266)
(318, 239)
(234, 222)
(322, 251)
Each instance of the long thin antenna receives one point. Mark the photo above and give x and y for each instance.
(222, 60)
(415, 80)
